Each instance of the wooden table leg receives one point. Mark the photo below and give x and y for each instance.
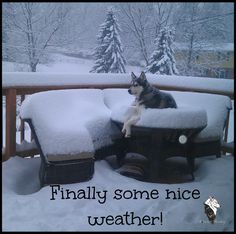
(121, 149)
(156, 157)
(191, 160)
(155, 163)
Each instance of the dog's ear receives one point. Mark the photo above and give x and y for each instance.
(133, 75)
(143, 76)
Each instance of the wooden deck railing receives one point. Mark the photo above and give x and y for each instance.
(25, 149)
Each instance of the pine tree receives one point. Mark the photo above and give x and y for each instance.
(162, 60)
(108, 54)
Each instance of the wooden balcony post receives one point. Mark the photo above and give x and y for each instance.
(225, 138)
(10, 123)
(22, 124)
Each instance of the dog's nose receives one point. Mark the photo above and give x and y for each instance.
(129, 91)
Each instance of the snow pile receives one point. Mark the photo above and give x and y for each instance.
(64, 120)
(183, 117)
(115, 98)
(28, 208)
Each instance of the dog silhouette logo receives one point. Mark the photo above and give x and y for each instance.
(211, 205)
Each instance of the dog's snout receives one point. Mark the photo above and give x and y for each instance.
(129, 90)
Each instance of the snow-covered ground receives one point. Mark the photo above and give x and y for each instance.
(61, 63)
(26, 207)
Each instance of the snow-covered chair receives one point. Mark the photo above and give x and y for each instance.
(70, 127)
(192, 130)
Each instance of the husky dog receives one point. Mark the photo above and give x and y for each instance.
(146, 96)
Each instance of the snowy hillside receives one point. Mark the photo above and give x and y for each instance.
(61, 63)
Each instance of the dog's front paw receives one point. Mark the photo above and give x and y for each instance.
(123, 130)
(127, 133)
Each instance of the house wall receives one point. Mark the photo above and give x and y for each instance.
(223, 62)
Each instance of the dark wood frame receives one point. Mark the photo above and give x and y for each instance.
(158, 144)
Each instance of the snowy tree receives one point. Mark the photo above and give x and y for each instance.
(32, 28)
(5, 36)
(136, 23)
(141, 23)
(162, 15)
(108, 54)
(162, 60)
(198, 27)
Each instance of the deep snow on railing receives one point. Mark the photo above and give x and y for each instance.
(184, 83)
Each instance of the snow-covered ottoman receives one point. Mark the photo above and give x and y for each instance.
(69, 126)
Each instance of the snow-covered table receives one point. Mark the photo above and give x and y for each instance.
(195, 129)
(164, 131)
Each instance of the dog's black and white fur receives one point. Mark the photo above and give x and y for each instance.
(147, 96)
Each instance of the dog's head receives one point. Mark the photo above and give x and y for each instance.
(138, 84)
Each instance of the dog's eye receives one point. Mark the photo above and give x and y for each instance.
(135, 85)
